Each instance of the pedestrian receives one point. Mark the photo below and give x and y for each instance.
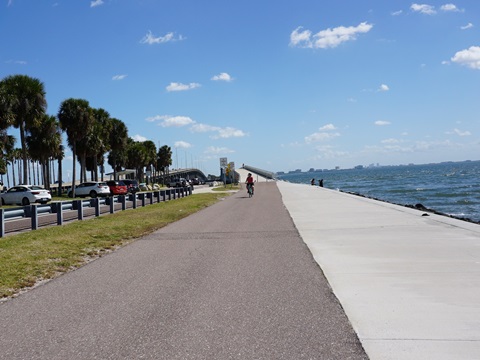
(320, 182)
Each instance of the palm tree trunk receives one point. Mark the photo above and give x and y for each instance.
(31, 168)
(46, 174)
(83, 167)
(52, 163)
(74, 168)
(38, 172)
(19, 171)
(60, 181)
(13, 173)
(95, 167)
(24, 153)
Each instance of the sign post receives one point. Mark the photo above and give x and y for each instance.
(223, 166)
(231, 168)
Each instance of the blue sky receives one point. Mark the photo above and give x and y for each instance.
(275, 84)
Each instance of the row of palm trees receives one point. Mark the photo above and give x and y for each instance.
(91, 134)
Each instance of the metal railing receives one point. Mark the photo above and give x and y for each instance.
(31, 217)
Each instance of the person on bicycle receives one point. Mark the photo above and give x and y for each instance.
(249, 182)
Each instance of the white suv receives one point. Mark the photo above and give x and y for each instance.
(92, 189)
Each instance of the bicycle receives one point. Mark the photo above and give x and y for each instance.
(250, 190)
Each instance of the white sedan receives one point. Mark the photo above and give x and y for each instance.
(25, 195)
(92, 189)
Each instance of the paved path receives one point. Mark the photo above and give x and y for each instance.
(410, 284)
(234, 281)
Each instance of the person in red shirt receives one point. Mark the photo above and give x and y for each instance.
(250, 182)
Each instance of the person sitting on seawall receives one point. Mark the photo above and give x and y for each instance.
(320, 183)
(312, 182)
(250, 182)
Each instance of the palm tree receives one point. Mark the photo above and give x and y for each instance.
(44, 142)
(136, 157)
(117, 142)
(164, 159)
(75, 116)
(98, 140)
(25, 104)
(151, 155)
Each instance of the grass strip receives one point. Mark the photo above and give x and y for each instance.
(31, 257)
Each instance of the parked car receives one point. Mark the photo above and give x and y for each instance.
(143, 187)
(25, 195)
(117, 187)
(91, 188)
(178, 182)
(132, 185)
(195, 181)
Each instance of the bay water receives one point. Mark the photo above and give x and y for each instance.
(451, 188)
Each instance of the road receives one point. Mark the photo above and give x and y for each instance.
(233, 281)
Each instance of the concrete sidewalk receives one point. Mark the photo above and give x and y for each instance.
(410, 284)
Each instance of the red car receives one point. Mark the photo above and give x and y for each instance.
(117, 187)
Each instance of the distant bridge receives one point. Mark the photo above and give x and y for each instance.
(184, 173)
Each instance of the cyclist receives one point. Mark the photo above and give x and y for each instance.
(249, 182)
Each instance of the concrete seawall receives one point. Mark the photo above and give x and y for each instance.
(409, 283)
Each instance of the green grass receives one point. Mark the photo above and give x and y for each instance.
(227, 187)
(28, 258)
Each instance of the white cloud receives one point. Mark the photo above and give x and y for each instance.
(468, 26)
(462, 133)
(469, 57)
(171, 121)
(217, 150)
(322, 134)
(19, 62)
(182, 144)
(201, 128)
(382, 123)
(222, 77)
(383, 87)
(390, 141)
(119, 77)
(150, 39)
(174, 86)
(328, 38)
(228, 132)
(139, 138)
(450, 8)
(221, 133)
(299, 37)
(396, 13)
(327, 127)
(424, 9)
(96, 3)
